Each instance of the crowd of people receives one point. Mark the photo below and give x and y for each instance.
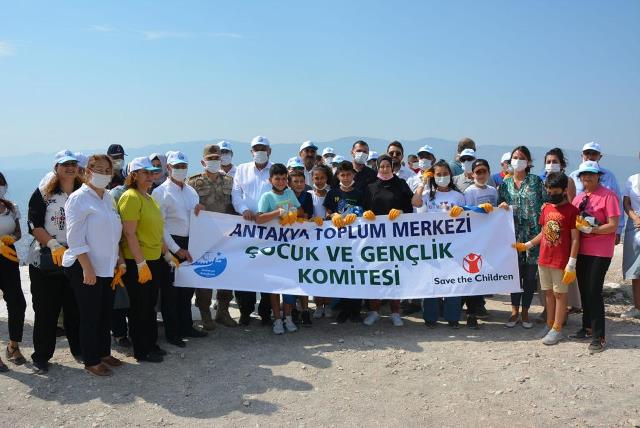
(108, 235)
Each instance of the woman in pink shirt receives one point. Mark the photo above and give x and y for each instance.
(599, 215)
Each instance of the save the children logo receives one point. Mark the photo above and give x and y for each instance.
(210, 265)
(472, 263)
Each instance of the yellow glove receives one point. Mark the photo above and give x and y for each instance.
(487, 207)
(117, 276)
(583, 225)
(520, 247)
(8, 253)
(284, 220)
(301, 219)
(57, 251)
(569, 272)
(171, 260)
(7, 239)
(427, 176)
(319, 221)
(369, 215)
(349, 218)
(293, 216)
(394, 214)
(456, 211)
(337, 220)
(144, 273)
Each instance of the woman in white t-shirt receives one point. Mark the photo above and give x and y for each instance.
(437, 193)
(631, 254)
(10, 275)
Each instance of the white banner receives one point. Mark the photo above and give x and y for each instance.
(417, 255)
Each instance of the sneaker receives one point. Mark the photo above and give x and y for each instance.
(597, 345)
(472, 322)
(328, 312)
(278, 327)
(514, 320)
(527, 324)
(396, 320)
(431, 324)
(631, 313)
(543, 332)
(288, 324)
(372, 318)
(553, 337)
(581, 334)
(306, 318)
(151, 357)
(454, 324)
(342, 317)
(319, 312)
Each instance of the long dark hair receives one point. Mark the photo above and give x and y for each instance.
(433, 188)
(557, 152)
(7, 204)
(527, 153)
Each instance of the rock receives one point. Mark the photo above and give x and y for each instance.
(246, 403)
(340, 340)
(499, 392)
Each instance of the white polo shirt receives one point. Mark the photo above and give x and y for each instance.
(249, 184)
(176, 204)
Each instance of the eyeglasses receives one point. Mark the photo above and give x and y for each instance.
(583, 203)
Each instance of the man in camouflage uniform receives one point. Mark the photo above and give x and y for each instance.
(214, 189)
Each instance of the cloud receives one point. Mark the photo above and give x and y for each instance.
(6, 49)
(101, 28)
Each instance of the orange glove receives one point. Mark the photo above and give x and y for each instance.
(171, 260)
(7, 239)
(520, 247)
(319, 221)
(284, 220)
(144, 273)
(349, 218)
(569, 272)
(583, 225)
(456, 211)
(117, 276)
(394, 214)
(427, 176)
(337, 220)
(293, 216)
(487, 207)
(57, 251)
(8, 253)
(369, 215)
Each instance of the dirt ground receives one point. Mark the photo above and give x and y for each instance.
(330, 375)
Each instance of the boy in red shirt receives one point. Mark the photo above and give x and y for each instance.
(559, 243)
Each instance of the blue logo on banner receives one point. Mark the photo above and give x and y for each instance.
(210, 265)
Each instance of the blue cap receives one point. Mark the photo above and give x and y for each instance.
(295, 162)
(589, 166)
(176, 157)
(65, 156)
(337, 159)
(308, 145)
(426, 149)
(225, 145)
(142, 162)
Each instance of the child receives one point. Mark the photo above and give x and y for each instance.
(559, 244)
(345, 200)
(441, 197)
(320, 176)
(278, 203)
(476, 194)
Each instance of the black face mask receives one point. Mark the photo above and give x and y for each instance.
(557, 198)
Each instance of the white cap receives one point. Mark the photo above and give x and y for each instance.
(589, 166)
(260, 140)
(307, 145)
(468, 152)
(225, 145)
(505, 157)
(142, 162)
(295, 162)
(328, 151)
(176, 157)
(425, 149)
(83, 159)
(372, 156)
(337, 159)
(592, 146)
(65, 156)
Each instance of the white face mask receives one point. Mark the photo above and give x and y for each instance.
(360, 157)
(348, 185)
(480, 183)
(260, 157)
(226, 159)
(212, 166)
(443, 181)
(3, 191)
(117, 164)
(179, 174)
(466, 165)
(424, 164)
(327, 161)
(519, 164)
(100, 180)
(320, 188)
(552, 167)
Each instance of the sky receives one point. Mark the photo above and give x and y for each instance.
(545, 73)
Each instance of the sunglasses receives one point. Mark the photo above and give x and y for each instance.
(394, 153)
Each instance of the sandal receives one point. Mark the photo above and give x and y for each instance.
(15, 356)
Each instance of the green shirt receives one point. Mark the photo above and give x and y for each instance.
(134, 206)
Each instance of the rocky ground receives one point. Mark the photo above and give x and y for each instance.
(332, 374)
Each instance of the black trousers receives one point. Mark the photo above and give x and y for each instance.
(12, 291)
(119, 322)
(474, 304)
(178, 303)
(143, 324)
(590, 272)
(51, 292)
(95, 305)
(246, 301)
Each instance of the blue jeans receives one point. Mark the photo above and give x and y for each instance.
(452, 308)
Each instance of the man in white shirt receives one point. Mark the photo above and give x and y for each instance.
(396, 151)
(327, 156)
(226, 158)
(249, 183)
(307, 154)
(177, 200)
